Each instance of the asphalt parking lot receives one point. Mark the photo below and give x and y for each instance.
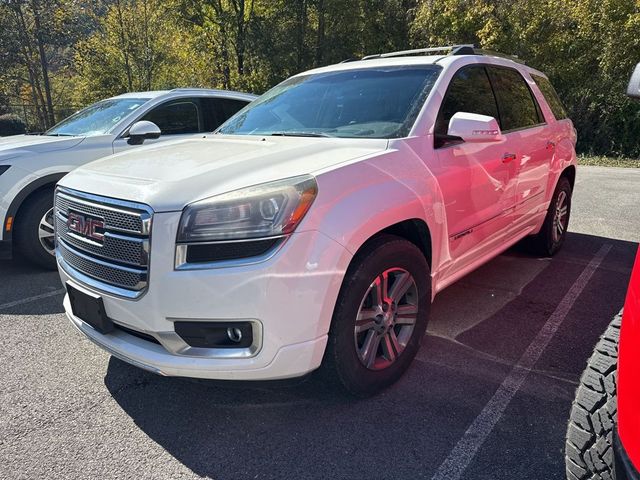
(487, 398)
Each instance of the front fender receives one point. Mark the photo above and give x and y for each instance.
(20, 192)
(359, 200)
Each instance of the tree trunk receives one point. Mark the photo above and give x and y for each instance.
(28, 56)
(301, 31)
(44, 65)
(320, 34)
(124, 47)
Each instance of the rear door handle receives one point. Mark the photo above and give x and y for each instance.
(508, 157)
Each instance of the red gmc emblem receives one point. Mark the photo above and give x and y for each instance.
(87, 227)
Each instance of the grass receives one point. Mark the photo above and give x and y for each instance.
(601, 161)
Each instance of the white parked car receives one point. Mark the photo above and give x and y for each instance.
(317, 224)
(30, 165)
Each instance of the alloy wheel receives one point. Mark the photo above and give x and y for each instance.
(386, 318)
(45, 232)
(560, 217)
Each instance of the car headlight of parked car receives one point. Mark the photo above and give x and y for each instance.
(4, 168)
(243, 223)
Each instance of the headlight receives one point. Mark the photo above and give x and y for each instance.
(266, 210)
(4, 168)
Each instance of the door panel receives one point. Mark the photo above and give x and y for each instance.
(523, 124)
(537, 149)
(478, 188)
(476, 181)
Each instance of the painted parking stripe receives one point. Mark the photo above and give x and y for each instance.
(4, 306)
(465, 450)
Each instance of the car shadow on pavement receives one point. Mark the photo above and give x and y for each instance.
(304, 429)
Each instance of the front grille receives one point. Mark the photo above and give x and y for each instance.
(119, 261)
(115, 217)
(119, 248)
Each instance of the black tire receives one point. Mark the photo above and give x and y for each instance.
(589, 443)
(25, 234)
(341, 363)
(544, 243)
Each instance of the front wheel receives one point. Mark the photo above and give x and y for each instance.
(380, 316)
(34, 230)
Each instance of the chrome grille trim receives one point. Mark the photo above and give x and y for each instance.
(120, 276)
(120, 263)
(118, 215)
(119, 248)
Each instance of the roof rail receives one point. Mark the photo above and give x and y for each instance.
(462, 49)
(466, 49)
(493, 53)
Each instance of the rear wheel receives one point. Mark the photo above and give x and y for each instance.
(554, 229)
(380, 317)
(589, 444)
(33, 233)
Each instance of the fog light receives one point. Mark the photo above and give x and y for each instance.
(234, 334)
(216, 334)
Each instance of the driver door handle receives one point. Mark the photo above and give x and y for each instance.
(508, 157)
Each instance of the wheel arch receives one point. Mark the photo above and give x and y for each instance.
(42, 183)
(416, 231)
(570, 174)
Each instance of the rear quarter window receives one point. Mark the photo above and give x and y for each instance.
(551, 96)
(516, 103)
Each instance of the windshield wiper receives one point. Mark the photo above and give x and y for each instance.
(300, 134)
(59, 134)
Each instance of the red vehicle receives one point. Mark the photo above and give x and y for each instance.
(627, 439)
(603, 438)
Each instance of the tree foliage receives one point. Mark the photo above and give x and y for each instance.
(87, 50)
(11, 125)
(139, 45)
(588, 48)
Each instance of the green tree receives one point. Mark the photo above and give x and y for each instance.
(587, 47)
(139, 45)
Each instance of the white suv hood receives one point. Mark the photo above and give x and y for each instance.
(28, 144)
(171, 175)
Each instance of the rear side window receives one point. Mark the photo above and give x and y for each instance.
(518, 108)
(219, 110)
(469, 91)
(551, 96)
(176, 117)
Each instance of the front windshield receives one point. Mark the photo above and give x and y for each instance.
(380, 102)
(97, 119)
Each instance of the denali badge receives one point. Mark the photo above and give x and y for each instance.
(84, 226)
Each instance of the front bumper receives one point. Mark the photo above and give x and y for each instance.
(624, 468)
(291, 296)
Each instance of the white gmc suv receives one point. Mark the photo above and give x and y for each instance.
(316, 225)
(30, 165)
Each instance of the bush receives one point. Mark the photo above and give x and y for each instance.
(11, 125)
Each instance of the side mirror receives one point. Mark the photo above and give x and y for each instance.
(472, 127)
(141, 131)
(633, 90)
